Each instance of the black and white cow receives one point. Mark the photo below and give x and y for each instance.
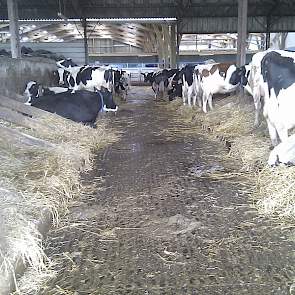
(87, 77)
(149, 77)
(249, 76)
(35, 90)
(66, 63)
(64, 78)
(278, 84)
(121, 83)
(187, 79)
(272, 81)
(82, 106)
(175, 86)
(241, 76)
(159, 80)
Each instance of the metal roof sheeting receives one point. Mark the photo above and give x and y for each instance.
(146, 8)
(210, 25)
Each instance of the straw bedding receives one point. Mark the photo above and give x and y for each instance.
(36, 181)
(274, 192)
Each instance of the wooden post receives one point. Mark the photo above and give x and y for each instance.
(178, 40)
(84, 24)
(166, 35)
(160, 44)
(242, 40)
(267, 37)
(13, 28)
(242, 32)
(173, 46)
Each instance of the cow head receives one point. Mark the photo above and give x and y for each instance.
(33, 90)
(148, 77)
(66, 63)
(108, 101)
(239, 76)
(125, 79)
(144, 76)
(59, 76)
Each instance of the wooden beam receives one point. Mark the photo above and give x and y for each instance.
(14, 117)
(13, 28)
(119, 31)
(173, 57)
(22, 108)
(160, 43)
(242, 31)
(166, 44)
(16, 137)
(84, 24)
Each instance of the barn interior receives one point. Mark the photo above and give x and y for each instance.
(160, 198)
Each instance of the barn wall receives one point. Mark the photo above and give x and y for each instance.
(15, 73)
(73, 50)
(105, 46)
(153, 59)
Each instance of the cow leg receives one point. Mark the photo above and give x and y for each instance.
(199, 100)
(282, 132)
(157, 93)
(210, 97)
(205, 99)
(75, 89)
(154, 87)
(194, 100)
(272, 133)
(183, 96)
(257, 104)
(189, 97)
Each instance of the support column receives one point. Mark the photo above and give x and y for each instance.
(166, 35)
(13, 28)
(160, 44)
(173, 46)
(242, 32)
(84, 24)
(267, 37)
(178, 40)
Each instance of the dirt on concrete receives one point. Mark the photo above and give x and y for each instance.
(171, 215)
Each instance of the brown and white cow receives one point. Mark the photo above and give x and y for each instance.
(213, 79)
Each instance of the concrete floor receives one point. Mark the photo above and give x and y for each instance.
(161, 223)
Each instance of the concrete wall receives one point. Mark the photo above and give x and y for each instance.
(15, 73)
